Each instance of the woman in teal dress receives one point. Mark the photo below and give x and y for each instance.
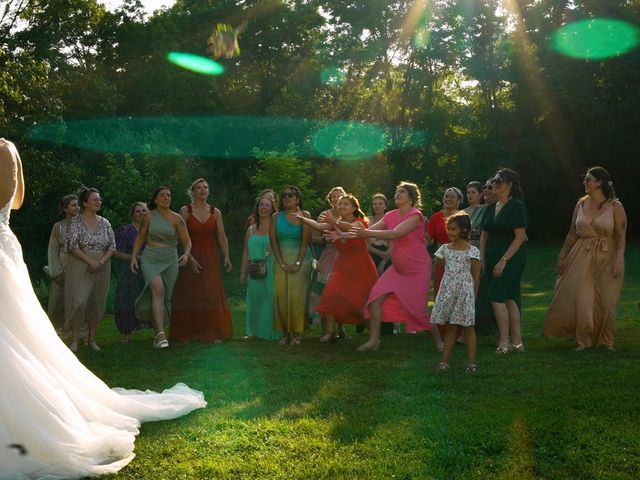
(260, 291)
(290, 243)
(504, 256)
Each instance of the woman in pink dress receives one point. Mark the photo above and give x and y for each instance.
(400, 294)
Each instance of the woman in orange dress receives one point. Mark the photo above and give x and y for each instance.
(199, 310)
(354, 272)
(590, 267)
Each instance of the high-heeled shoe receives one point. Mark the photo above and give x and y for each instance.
(164, 343)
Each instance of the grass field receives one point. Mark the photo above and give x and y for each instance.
(323, 411)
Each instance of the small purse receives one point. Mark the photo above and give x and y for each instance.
(257, 268)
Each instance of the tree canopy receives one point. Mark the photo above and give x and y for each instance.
(358, 93)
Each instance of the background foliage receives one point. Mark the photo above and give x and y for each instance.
(477, 76)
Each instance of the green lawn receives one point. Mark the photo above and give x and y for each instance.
(325, 411)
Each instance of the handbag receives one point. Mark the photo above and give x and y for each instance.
(257, 268)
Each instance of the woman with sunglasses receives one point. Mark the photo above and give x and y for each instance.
(289, 239)
(590, 267)
(504, 256)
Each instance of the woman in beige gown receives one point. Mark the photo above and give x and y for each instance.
(590, 268)
(57, 261)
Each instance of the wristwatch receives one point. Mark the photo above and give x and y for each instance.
(297, 263)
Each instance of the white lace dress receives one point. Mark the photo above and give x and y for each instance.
(57, 419)
(455, 302)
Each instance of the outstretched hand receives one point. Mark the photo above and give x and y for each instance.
(358, 231)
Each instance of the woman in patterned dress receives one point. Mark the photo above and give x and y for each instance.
(91, 242)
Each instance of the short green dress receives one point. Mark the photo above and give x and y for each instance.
(500, 230)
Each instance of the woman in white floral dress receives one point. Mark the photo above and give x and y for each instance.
(455, 303)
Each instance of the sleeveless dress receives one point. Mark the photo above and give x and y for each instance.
(129, 286)
(260, 292)
(158, 261)
(64, 419)
(199, 310)
(586, 295)
(455, 303)
(354, 274)
(406, 282)
(292, 289)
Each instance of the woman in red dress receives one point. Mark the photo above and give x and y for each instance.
(199, 309)
(354, 272)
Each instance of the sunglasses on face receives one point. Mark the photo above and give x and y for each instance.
(497, 181)
(487, 187)
(288, 194)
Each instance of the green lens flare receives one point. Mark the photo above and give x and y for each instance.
(332, 76)
(350, 140)
(595, 39)
(227, 136)
(195, 63)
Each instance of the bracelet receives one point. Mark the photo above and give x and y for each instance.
(504, 259)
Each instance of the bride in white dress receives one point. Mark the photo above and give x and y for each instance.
(57, 419)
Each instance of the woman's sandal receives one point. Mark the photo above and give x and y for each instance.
(442, 366)
(471, 368)
(517, 347)
(327, 337)
(503, 348)
(296, 339)
(164, 343)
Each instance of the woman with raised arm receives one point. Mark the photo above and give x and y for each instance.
(199, 310)
(91, 242)
(57, 419)
(57, 261)
(354, 273)
(401, 293)
(130, 284)
(503, 256)
(289, 239)
(590, 267)
(162, 229)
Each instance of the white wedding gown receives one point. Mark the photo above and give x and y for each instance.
(57, 419)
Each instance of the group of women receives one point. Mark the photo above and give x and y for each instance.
(155, 281)
(377, 271)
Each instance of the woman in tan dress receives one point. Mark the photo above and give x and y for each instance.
(91, 242)
(57, 260)
(590, 267)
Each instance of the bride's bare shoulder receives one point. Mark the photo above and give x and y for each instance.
(8, 170)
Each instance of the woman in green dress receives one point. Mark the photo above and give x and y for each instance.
(504, 255)
(260, 291)
(290, 239)
(162, 229)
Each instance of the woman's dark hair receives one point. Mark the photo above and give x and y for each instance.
(83, 195)
(136, 204)
(601, 174)
(475, 184)
(463, 221)
(154, 195)
(511, 176)
(380, 196)
(66, 200)
(414, 193)
(256, 208)
(295, 190)
(358, 213)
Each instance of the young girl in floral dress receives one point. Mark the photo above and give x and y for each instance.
(455, 303)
